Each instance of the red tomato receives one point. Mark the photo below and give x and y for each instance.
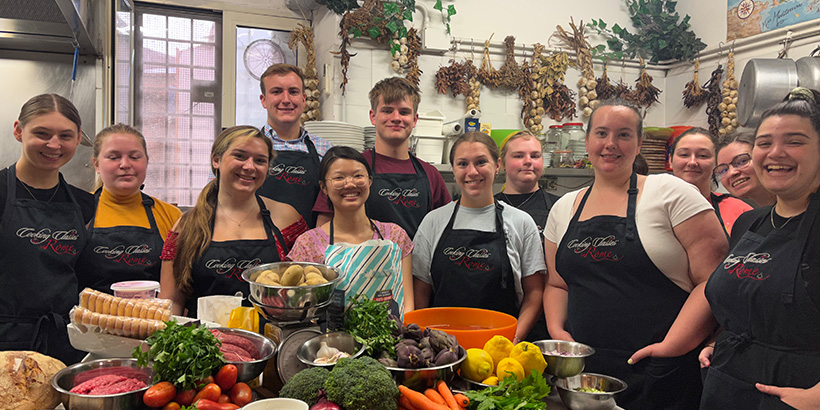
(241, 394)
(185, 398)
(204, 382)
(226, 377)
(159, 394)
(210, 392)
(172, 405)
(205, 404)
(224, 398)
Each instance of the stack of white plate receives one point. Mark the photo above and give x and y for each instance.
(338, 133)
(578, 148)
(369, 137)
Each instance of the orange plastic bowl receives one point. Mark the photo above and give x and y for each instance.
(471, 327)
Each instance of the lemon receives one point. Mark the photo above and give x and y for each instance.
(508, 366)
(530, 357)
(492, 381)
(478, 365)
(498, 347)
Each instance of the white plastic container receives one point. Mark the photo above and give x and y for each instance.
(430, 149)
(138, 289)
(430, 124)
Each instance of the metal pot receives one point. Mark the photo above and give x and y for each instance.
(808, 72)
(764, 83)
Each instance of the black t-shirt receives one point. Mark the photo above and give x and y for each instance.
(533, 204)
(84, 199)
(760, 221)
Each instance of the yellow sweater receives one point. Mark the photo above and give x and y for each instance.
(113, 210)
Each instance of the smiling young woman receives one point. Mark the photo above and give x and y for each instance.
(231, 228)
(477, 252)
(735, 171)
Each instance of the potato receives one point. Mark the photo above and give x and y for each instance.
(315, 281)
(292, 275)
(268, 277)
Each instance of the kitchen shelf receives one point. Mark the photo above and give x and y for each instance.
(548, 172)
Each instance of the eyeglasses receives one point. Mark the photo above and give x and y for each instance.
(339, 182)
(740, 161)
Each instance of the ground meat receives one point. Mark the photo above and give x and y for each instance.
(107, 384)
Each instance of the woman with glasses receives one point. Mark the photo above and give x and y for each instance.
(479, 252)
(693, 160)
(735, 171)
(766, 293)
(345, 177)
(231, 228)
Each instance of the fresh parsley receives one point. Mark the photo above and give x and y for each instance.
(368, 321)
(182, 355)
(510, 394)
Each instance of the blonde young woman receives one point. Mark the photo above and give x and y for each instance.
(42, 230)
(628, 259)
(129, 228)
(231, 228)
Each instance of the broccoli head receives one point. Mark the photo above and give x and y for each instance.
(362, 384)
(305, 385)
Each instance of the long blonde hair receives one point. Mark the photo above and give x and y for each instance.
(195, 225)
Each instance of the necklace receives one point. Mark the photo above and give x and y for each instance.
(35, 198)
(238, 223)
(771, 218)
(521, 204)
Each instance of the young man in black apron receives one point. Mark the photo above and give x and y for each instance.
(404, 188)
(293, 176)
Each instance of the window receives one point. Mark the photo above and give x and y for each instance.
(177, 97)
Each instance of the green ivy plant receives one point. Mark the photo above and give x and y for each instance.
(451, 10)
(660, 34)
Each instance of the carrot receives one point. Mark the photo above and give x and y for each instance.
(445, 392)
(462, 400)
(404, 402)
(419, 400)
(434, 395)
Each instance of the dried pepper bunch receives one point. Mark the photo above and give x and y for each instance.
(453, 78)
(512, 77)
(577, 41)
(604, 87)
(728, 103)
(304, 34)
(412, 70)
(713, 101)
(693, 94)
(647, 93)
(488, 75)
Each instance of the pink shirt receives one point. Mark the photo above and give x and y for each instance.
(311, 245)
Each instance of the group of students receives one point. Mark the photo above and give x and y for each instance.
(635, 266)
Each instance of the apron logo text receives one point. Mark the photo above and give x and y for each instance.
(465, 257)
(589, 248)
(46, 239)
(294, 175)
(736, 265)
(231, 267)
(405, 197)
(130, 255)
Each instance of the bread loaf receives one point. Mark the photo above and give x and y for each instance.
(25, 380)
(103, 303)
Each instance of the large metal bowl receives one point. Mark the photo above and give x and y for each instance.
(343, 341)
(420, 379)
(73, 375)
(564, 359)
(291, 297)
(579, 400)
(248, 371)
(281, 315)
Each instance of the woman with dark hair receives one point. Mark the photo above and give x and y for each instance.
(735, 171)
(629, 258)
(345, 177)
(693, 160)
(766, 293)
(231, 228)
(479, 252)
(42, 230)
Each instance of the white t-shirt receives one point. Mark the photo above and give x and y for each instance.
(523, 239)
(665, 202)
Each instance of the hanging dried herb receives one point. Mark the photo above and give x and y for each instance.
(511, 76)
(693, 94)
(304, 34)
(488, 75)
(647, 93)
(604, 87)
(713, 89)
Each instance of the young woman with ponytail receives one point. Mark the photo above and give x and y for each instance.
(231, 228)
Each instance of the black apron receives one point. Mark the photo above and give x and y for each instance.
(771, 326)
(471, 268)
(403, 199)
(120, 253)
(41, 242)
(219, 270)
(619, 302)
(293, 178)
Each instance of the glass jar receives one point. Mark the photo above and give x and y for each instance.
(563, 159)
(555, 139)
(576, 138)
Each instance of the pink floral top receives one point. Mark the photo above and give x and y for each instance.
(311, 245)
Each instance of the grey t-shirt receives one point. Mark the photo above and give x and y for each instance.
(523, 239)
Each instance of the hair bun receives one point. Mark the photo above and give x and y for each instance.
(801, 93)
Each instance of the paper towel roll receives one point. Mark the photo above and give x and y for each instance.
(474, 113)
(453, 128)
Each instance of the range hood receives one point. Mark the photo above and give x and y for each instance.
(55, 26)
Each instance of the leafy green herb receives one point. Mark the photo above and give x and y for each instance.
(182, 355)
(510, 394)
(369, 322)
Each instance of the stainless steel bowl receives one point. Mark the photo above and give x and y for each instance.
(419, 379)
(291, 297)
(281, 315)
(343, 341)
(564, 359)
(579, 400)
(73, 375)
(248, 371)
